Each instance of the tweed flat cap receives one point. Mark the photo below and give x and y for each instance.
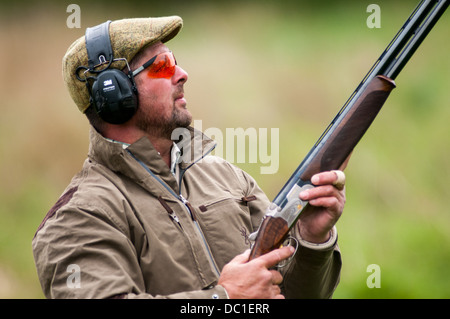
(128, 37)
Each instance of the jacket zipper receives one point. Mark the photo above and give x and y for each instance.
(197, 227)
(186, 205)
(169, 211)
(191, 211)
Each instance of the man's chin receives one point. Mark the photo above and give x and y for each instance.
(183, 118)
(185, 123)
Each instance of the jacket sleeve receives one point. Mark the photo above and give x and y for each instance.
(84, 253)
(313, 272)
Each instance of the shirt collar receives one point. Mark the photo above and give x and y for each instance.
(124, 145)
(175, 155)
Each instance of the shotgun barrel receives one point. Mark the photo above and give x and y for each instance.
(348, 127)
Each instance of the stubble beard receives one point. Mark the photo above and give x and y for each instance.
(163, 127)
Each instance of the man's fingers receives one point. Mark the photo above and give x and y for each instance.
(327, 202)
(322, 180)
(276, 256)
(254, 279)
(277, 278)
(339, 183)
(334, 177)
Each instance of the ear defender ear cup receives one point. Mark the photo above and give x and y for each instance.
(113, 93)
(114, 96)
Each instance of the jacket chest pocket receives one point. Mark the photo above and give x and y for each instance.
(226, 224)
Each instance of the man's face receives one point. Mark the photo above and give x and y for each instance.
(162, 106)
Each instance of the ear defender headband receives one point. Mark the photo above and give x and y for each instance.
(112, 93)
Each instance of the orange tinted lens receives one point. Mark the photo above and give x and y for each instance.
(163, 66)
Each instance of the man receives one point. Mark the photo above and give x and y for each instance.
(138, 221)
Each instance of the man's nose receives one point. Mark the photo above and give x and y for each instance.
(180, 76)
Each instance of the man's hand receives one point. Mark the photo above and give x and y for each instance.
(326, 204)
(254, 279)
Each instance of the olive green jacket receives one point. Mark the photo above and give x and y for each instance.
(126, 227)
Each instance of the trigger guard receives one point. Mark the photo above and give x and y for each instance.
(290, 241)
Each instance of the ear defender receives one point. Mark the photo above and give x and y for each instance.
(113, 93)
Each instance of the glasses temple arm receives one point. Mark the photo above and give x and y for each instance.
(145, 65)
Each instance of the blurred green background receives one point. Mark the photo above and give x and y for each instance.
(252, 64)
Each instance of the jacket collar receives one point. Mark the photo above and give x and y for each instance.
(193, 144)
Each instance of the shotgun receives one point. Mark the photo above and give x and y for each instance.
(347, 128)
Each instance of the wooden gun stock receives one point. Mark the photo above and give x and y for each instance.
(275, 231)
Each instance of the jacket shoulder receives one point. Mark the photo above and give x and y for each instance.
(91, 190)
(62, 201)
